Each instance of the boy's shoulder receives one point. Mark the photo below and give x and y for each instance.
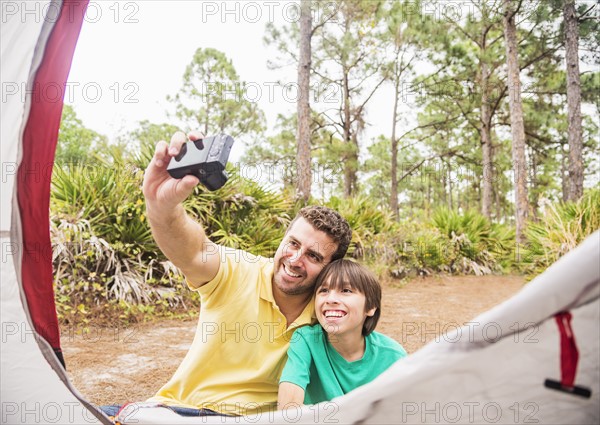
(309, 331)
(385, 342)
(312, 335)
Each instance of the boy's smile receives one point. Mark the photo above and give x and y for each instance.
(329, 314)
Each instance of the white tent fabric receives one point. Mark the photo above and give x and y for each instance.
(32, 391)
(18, 42)
(492, 370)
(34, 387)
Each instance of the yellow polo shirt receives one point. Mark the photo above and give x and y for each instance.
(240, 347)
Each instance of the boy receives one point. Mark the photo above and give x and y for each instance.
(342, 352)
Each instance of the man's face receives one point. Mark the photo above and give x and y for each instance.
(301, 256)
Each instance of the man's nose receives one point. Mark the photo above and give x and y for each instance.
(295, 256)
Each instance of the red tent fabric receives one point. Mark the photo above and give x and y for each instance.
(35, 171)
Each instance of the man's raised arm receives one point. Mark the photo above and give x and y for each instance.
(179, 237)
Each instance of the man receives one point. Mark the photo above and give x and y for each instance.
(250, 306)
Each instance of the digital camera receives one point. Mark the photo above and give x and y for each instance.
(204, 158)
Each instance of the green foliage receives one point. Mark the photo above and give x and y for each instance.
(561, 228)
(103, 248)
(75, 141)
(145, 138)
(367, 220)
(205, 101)
(242, 214)
(95, 279)
(448, 242)
(109, 198)
(477, 244)
(104, 253)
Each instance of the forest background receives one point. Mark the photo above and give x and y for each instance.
(491, 164)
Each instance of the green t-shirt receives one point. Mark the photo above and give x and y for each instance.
(314, 365)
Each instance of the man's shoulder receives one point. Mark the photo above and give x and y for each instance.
(239, 271)
(243, 264)
(241, 256)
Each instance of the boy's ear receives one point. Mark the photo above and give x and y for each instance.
(372, 311)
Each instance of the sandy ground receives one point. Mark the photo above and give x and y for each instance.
(117, 365)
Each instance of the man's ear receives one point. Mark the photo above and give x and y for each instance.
(371, 312)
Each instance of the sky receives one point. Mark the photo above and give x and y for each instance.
(132, 54)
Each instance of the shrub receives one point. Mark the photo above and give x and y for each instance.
(242, 215)
(481, 247)
(368, 221)
(453, 243)
(104, 255)
(562, 227)
(105, 258)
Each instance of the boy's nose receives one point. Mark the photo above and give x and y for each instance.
(332, 297)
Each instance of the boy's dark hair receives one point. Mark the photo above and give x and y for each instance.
(340, 273)
(328, 221)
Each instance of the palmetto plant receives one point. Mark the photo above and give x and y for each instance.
(474, 244)
(103, 247)
(109, 197)
(242, 214)
(103, 251)
(562, 227)
(366, 219)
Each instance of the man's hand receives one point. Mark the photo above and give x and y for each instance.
(179, 237)
(161, 191)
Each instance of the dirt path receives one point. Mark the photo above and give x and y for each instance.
(111, 365)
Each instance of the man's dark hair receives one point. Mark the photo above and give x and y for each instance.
(330, 222)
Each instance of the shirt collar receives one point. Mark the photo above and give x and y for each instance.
(308, 315)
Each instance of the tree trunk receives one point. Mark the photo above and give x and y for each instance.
(450, 202)
(516, 120)
(564, 169)
(498, 203)
(486, 144)
(575, 187)
(303, 160)
(348, 157)
(535, 186)
(394, 165)
(353, 169)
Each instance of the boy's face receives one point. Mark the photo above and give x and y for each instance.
(341, 311)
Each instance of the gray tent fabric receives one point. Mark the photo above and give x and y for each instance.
(492, 370)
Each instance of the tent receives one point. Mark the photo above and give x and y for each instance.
(533, 359)
(38, 41)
